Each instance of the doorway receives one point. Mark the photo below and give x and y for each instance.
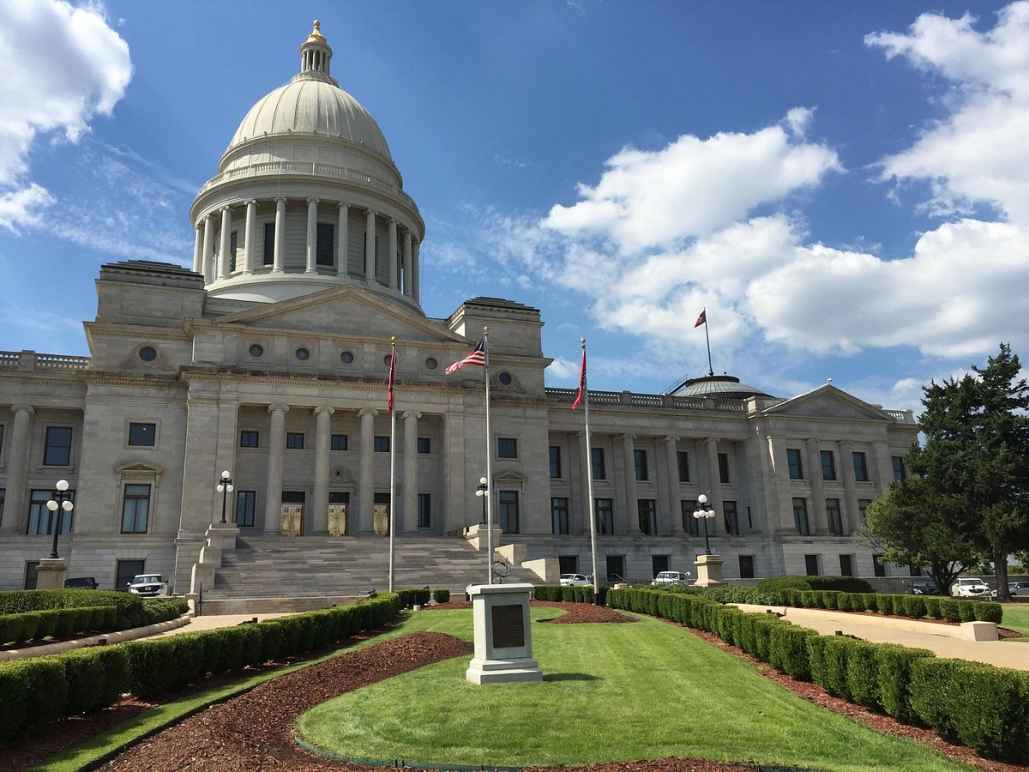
(658, 563)
(291, 513)
(339, 509)
(615, 568)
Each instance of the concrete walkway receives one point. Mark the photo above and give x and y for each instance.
(214, 621)
(919, 635)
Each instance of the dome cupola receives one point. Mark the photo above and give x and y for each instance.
(315, 55)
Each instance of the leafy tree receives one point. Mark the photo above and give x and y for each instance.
(977, 449)
(919, 526)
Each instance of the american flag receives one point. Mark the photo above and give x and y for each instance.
(477, 357)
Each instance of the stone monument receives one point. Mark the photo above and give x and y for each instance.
(709, 570)
(503, 635)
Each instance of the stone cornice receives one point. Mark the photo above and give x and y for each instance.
(147, 331)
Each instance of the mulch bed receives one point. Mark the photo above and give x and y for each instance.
(575, 613)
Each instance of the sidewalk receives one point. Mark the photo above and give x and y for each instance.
(1014, 654)
(213, 622)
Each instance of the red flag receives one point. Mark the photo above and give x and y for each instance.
(582, 383)
(702, 319)
(390, 379)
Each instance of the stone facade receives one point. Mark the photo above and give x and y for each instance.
(270, 363)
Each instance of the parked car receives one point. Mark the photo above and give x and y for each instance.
(148, 585)
(923, 588)
(970, 587)
(671, 577)
(82, 583)
(616, 582)
(575, 580)
(1018, 588)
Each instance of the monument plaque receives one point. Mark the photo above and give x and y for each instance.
(508, 630)
(503, 635)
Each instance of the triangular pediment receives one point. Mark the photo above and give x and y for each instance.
(828, 402)
(343, 311)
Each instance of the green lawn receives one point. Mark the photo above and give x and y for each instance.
(1016, 617)
(635, 691)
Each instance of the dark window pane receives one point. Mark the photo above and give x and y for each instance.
(800, 517)
(555, 461)
(828, 465)
(684, 465)
(58, 446)
(568, 564)
(860, 467)
(339, 442)
(135, 510)
(143, 435)
(125, 571)
(746, 566)
(603, 510)
(615, 567)
(832, 510)
(863, 505)
(508, 501)
(878, 566)
(690, 524)
(42, 520)
(658, 563)
(597, 460)
(326, 240)
(732, 520)
(899, 472)
(811, 565)
(796, 463)
(424, 510)
(268, 255)
(723, 468)
(425, 445)
(246, 507)
(507, 447)
(248, 439)
(559, 516)
(640, 458)
(381, 444)
(295, 440)
(647, 513)
(846, 565)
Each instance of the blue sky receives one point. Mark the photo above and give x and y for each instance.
(845, 188)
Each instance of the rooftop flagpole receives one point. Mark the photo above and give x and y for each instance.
(489, 465)
(710, 368)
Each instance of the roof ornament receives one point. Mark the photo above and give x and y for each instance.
(315, 52)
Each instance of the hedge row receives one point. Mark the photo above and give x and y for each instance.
(130, 607)
(414, 596)
(40, 688)
(981, 706)
(840, 583)
(69, 622)
(560, 594)
(913, 606)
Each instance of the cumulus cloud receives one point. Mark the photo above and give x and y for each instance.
(63, 65)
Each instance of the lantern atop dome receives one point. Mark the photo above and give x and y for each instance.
(315, 54)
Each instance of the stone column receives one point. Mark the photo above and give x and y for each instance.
(17, 470)
(198, 254)
(208, 267)
(851, 518)
(884, 463)
(819, 522)
(394, 278)
(342, 238)
(366, 480)
(415, 277)
(312, 234)
(672, 461)
(369, 247)
(632, 520)
(781, 481)
(320, 515)
(408, 286)
(223, 257)
(249, 256)
(226, 449)
(409, 514)
(279, 255)
(276, 453)
(458, 499)
(714, 495)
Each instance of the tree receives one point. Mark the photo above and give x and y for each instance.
(919, 526)
(977, 449)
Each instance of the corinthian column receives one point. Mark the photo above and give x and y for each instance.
(223, 271)
(276, 450)
(369, 247)
(632, 520)
(17, 469)
(198, 255)
(408, 285)
(342, 239)
(312, 234)
(250, 237)
(320, 520)
(279, 255)
(819, 520)
(415, 270)
(394, 279)
(208, 266)
(672, 462)
(366, 481)
(850, 507)
(410, 511)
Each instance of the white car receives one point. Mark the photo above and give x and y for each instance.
(575, 580)
(970, 587)
(671, 577)
(148, 585)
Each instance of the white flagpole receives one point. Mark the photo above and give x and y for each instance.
(589, 477)
(489, 467)
(392, 466)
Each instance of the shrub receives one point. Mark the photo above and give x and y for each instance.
(834, 665)
(893, 666)
(914, 606)
(787, 649)
(838, 583)
(843, 601)
(870, 599)
(828, 599)
(988, 612)
(413, 596)
(441, 596)
(856, 600)
(932, 608)
(966, 611)
(884, 603)
(59, 622)
(31, 691)
(163, 609)
(949, 609)
(816, 658)
(863, 674)
(96, 677)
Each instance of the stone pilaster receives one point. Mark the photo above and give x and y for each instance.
(818, 518)
(415, 273)
(250, 238)
(408, 285)
(279, 253)
(455, 496)
(851, 518)
(369, 247)
(780, 482)
(208, 259)
(224, 258)
(199, 469)
(884, 465)
(394, 277)
(632, 520)
(320, 512)
(366, 481)
(312, 235)
(17, 470)
(198, 254)
(225, 458)
(342, 238)
(276, 457)
(672, 487)
(714, 495)
(409, 514)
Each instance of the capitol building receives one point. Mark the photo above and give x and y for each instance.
(268, 360)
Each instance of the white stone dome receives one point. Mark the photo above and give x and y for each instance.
(311, 104)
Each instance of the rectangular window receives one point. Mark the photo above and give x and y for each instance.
(796, 463)
(568, 564)
(555, 462)
(233, 244)
(640, 459)
(125, 571)
(597, 460)
(658, 563)
(684, 465)
(135, 509)
(246, 508)
(746, 566)
(690, 524)
(860, 466)
(863, 505)
(846, 565)
(559, 524)
(42, 520)
(647, 511)
(31, 574)
(723, 468)
(732, 520)
(326, 239)
(248, 438)
(828, 465)
(424, 445)
(425, 510)
(899, 472)
(615, 565)
(508, 501)
(604, 511)
(800, 517)
(381, 443)
(507, 447)
(811, 565)
(294, 440)
(57, 450)
(878, 567)
(832, 510)
(142, 435)
(268, 256)
(339, 442)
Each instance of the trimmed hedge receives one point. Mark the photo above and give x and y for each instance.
(59, 622)
(130, 607)
(838, 583)
(414, 596)
(40, 688)
(441, 596)
(558, 594)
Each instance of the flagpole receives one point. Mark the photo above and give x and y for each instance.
(589, 475)
(392, 467)
(710, 369)
(489, 465)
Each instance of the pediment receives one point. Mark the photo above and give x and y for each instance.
(828, 402)
(343, 311)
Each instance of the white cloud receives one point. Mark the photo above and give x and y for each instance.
(63, 65)
(563, 370)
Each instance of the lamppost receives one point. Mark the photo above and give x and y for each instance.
(224, 487)
(705, 514)
(59, 500)
(481, 491)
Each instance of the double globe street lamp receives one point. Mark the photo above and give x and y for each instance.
(705, 514)
(481, 490)
(224, 487)
(60, 499)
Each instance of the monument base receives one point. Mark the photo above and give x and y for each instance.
(503, 671)
(503, 635)
(709, 570)
(51, 574)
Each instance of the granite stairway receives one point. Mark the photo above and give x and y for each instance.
(275, 573)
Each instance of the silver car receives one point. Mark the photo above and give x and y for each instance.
(671, 577)
(148, 585)
(575, 580)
